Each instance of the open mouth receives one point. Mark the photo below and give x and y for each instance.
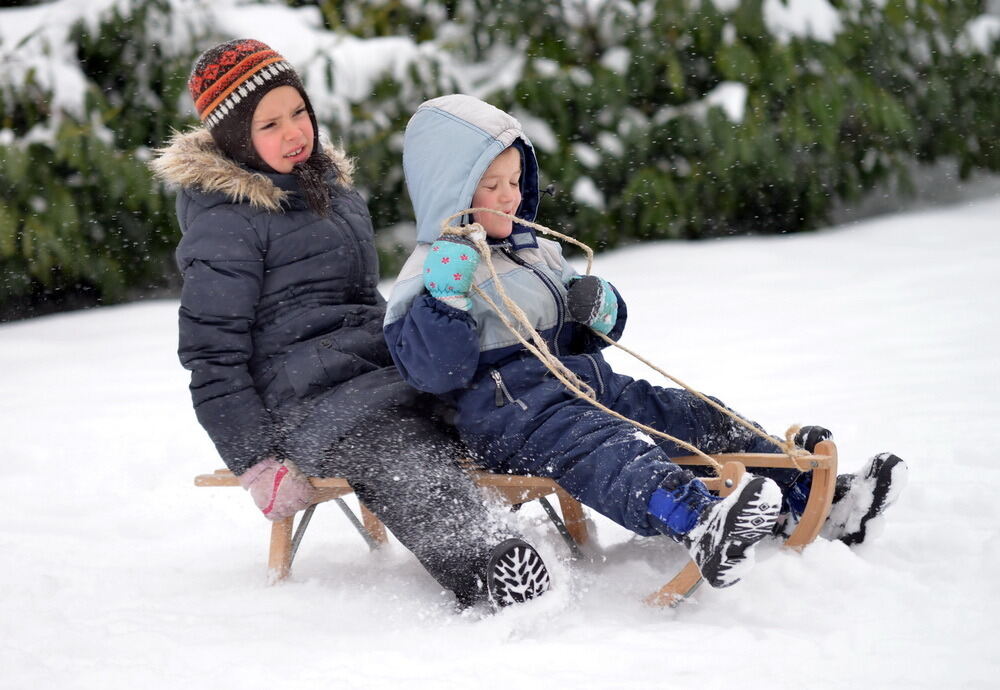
(296, 153)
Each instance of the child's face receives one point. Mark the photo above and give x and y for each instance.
(499, 189)
(281, 131)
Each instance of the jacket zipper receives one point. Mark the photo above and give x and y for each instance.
(597, 374)
(503, 394)
(560, 316)
(355, 247)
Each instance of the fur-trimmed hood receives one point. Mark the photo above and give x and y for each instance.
(192, 160)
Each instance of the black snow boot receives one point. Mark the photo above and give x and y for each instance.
(512, 572)
(515, 574)
(860, 499)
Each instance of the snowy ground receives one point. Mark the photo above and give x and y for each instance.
(123, 574)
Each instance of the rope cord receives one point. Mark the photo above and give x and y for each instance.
(475, 233)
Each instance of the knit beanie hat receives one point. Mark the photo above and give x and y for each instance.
(227, 83)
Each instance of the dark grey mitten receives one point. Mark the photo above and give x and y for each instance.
(591, 300)
(585, 298)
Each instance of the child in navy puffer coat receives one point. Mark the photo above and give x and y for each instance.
(461, 153)
(281, 328)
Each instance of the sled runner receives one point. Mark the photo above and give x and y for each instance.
(823, 464)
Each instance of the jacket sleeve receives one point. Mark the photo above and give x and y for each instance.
(221, 261)
(434, 345)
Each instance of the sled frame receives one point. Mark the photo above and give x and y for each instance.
(519, 489)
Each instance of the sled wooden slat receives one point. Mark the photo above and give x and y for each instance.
(513, 489)
(279, 561)
(518, 488)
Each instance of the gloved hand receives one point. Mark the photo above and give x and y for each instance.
(808, 436)
(278, 489)
(592, 301)
(448, 269)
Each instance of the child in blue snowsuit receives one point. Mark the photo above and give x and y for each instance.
(460, 152)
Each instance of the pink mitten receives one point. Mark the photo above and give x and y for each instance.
(278, 489)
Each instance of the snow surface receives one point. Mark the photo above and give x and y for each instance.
(123, 574)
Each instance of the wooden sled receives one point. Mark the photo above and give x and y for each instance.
(518, 489)
(512, 489)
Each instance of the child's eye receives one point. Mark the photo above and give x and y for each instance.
(300, 111)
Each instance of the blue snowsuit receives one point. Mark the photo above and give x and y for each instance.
(511, 412)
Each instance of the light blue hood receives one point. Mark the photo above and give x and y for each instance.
(448, 144)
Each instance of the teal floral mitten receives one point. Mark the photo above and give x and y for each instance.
(448, 270)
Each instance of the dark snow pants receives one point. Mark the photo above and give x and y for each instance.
(401, 465)
(604, 462)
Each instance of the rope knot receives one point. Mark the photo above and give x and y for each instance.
(471, 230)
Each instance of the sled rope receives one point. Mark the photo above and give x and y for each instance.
(567, 377)
(538, 346)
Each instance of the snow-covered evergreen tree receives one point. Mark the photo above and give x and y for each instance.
(652, 118)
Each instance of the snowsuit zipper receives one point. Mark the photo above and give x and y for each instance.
(547, 282)
(503, 393)
(597, 374)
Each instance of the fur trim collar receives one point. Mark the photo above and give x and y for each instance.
(191, 159)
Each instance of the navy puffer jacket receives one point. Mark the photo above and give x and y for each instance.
(280, 317)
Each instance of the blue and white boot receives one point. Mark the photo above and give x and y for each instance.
(860, 499)
(722, 541)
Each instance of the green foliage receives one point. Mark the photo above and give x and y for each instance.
(80, 215)
(375, 18)
(623, 87)
(135, 84)
(822, 121)
(630, 94)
